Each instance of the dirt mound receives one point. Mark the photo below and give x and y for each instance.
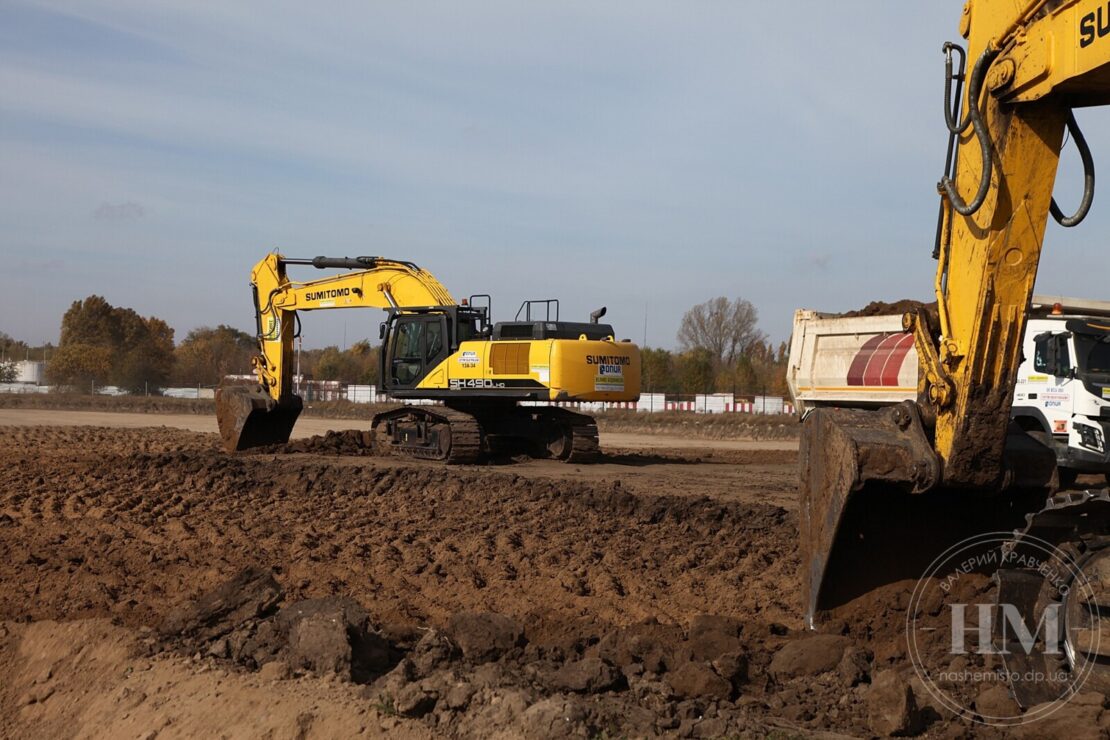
(881, 308)
(94, 679)
(352, 442)
(702, 426)
(241, 621)
(482, 673)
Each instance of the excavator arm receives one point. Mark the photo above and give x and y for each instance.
(884, 491)
(1030, 67)
(374, 282)
(265, 414)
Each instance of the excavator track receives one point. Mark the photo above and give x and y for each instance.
(430, 433)
(1069, 539)
(586, 447)
(458, 436)
(579, 441)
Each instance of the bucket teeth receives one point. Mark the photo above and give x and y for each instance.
(248, 417)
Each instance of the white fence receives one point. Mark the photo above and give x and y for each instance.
(192, 393)
(24, 388)
(716, 403)
(713, 403)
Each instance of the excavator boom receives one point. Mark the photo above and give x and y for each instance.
(885, 490)
(265, 414)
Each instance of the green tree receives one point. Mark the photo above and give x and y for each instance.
(366, 356)
(11, 349)
(147, 356)
(206, 355)
(657, 371)
(336, 365)
(696, 371)
(356, 364)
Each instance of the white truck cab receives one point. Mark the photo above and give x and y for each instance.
(1062, 394)
(1063, 384)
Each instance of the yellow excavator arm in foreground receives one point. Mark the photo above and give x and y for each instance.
(1029, 69)
(884, 491)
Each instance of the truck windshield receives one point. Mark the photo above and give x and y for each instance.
(1093, 352)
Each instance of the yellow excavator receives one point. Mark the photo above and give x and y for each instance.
(436, 349)
(885, 491)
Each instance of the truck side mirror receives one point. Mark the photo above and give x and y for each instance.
(381, 331)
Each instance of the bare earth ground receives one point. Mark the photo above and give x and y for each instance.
(655, 593)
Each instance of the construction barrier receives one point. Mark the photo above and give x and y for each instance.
(702, 403)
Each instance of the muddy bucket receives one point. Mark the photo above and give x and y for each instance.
(875, 510)
(248, 417)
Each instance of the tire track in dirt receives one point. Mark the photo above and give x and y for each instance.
(168, 515)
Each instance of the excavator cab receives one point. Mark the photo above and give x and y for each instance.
(415, 341)
(415, 345)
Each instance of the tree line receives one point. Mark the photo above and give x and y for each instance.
(721, 349)
(105, 345)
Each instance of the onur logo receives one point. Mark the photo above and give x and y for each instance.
(998, 630)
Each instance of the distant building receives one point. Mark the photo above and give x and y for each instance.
(32, 372)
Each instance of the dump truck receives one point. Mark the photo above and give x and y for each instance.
(1062, 394)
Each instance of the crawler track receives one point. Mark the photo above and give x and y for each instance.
(431, 433)
(584, 444)
(1077, 526)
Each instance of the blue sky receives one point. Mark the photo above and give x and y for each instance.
(641, 155)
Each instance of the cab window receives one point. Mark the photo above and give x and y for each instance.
(1040, 354)
(408, 342)
(1051, 354)
(1063, 356)
(1093, 353)
(435, 339)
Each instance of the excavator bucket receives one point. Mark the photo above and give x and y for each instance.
(858, 468)
(248, 417)
(873, 509)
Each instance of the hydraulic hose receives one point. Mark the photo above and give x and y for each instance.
(952, 107)
(974, 89)
(1088, 179)
(951, 110)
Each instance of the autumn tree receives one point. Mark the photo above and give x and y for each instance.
(657, 372)
(102, 344)
(206, 355)
(723, 328)
(10, 348)
(356, 364)
(81, 365)
(335, 365)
